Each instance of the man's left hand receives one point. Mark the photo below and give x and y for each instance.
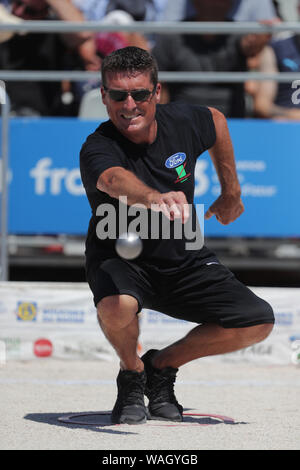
(226, 208)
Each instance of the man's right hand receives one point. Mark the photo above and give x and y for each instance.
(173, 204)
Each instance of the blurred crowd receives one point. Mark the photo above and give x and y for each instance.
(174, 52)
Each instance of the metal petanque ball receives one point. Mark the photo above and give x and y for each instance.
(129, 245)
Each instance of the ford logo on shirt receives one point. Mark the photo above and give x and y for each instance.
(175, 160)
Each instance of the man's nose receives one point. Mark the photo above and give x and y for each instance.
(129, 103)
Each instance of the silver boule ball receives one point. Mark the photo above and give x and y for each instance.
(129, 245)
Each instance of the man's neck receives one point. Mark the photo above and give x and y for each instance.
(147, 138)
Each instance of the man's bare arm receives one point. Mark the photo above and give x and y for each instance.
(228, 206)
(118, 182)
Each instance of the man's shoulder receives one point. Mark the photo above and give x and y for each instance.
(103, 133)
(194, 121)
(104, 130)
(181, 110)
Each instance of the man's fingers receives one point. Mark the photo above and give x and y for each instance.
(170, 212)
(186, 213)
(175, 206)
(208, 214)
(176, 211)
(164, 208)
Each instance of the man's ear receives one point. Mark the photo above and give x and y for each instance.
(158, 92)
(103, 94)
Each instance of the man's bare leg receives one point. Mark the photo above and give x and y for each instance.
(119, 322)
(209, 340)
(206, 340)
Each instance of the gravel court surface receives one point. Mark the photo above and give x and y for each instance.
(263, 402)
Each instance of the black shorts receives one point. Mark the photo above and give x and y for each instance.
(209, 293)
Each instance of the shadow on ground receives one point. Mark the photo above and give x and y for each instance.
(92, 424)
(99, 421)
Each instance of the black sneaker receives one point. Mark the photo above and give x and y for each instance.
(130, 407)
(160, 391)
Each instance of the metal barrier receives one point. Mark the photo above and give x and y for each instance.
(161, 27)
(151, 27)
(196, 77)
(5, 102)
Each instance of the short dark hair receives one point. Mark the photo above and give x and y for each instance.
(130, 59)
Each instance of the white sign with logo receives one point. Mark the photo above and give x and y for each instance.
(59, 320)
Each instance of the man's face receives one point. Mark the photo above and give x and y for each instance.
(30, 9)
(134, 119)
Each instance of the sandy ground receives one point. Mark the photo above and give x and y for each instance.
(260, 405)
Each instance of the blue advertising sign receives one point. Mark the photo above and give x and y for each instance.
(268, 166)
(46, 195)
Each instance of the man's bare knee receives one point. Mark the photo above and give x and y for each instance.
(254, 334)
(117, 311)
(264, 330)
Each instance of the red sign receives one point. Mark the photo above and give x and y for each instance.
(42, 347)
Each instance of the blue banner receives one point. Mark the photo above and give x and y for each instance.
(268, 165)
(46, 195)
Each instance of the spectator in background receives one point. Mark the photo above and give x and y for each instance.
(118, 12)
(252, 10)
(288, 10)
(53, 9)
(208, 52)
(115, 12)
(141, 10)
(40, 51)
(123, 12)
(262, 11)
(272, 99)
(7, 17)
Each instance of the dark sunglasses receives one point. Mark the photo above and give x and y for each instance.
(137, 95)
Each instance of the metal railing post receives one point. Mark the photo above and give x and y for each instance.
(5, 105)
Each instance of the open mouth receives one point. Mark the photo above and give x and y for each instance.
(130, 117)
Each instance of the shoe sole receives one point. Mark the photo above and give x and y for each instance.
(129, 421)
(160, 418)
